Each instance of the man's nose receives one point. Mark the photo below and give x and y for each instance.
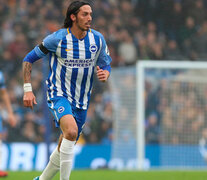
(89, 18)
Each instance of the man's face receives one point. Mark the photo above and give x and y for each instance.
(83, 18)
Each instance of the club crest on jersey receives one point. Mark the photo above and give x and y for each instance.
(61, 109)
(93, 48)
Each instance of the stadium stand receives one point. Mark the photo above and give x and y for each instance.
(151, 30)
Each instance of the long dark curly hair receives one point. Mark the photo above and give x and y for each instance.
(73, 8)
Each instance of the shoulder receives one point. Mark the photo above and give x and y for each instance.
(99, 37)
(96, 33)
(60, 34)
(52, 40)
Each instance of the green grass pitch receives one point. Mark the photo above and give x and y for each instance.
(118, 175)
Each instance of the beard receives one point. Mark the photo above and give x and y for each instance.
(81, 27)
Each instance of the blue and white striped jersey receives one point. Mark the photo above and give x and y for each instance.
(72, 62)
(2, 81)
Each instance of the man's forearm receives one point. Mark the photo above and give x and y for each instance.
(27, 70)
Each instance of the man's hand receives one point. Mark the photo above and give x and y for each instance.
(102, 74)
(29, 99)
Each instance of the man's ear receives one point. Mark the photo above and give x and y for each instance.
(72, 17)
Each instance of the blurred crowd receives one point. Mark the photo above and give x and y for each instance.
(134, 30)
(176, 107)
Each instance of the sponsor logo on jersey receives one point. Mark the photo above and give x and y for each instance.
(74, 63)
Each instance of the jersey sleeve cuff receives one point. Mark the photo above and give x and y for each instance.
(34, 55)
(107, 67)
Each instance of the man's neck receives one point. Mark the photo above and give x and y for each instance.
(77, 32)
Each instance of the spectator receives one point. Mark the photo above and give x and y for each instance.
(152, 131)
(172, 51)
(198, 12)
(127, 49)
(153, 29)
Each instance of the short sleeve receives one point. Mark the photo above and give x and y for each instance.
(51, 42)
(104, 57)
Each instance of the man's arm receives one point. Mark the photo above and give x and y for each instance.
(27, 70)
(29, 98)
(103, 61)
(38, 52)
(49, 44)
(6, 100)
